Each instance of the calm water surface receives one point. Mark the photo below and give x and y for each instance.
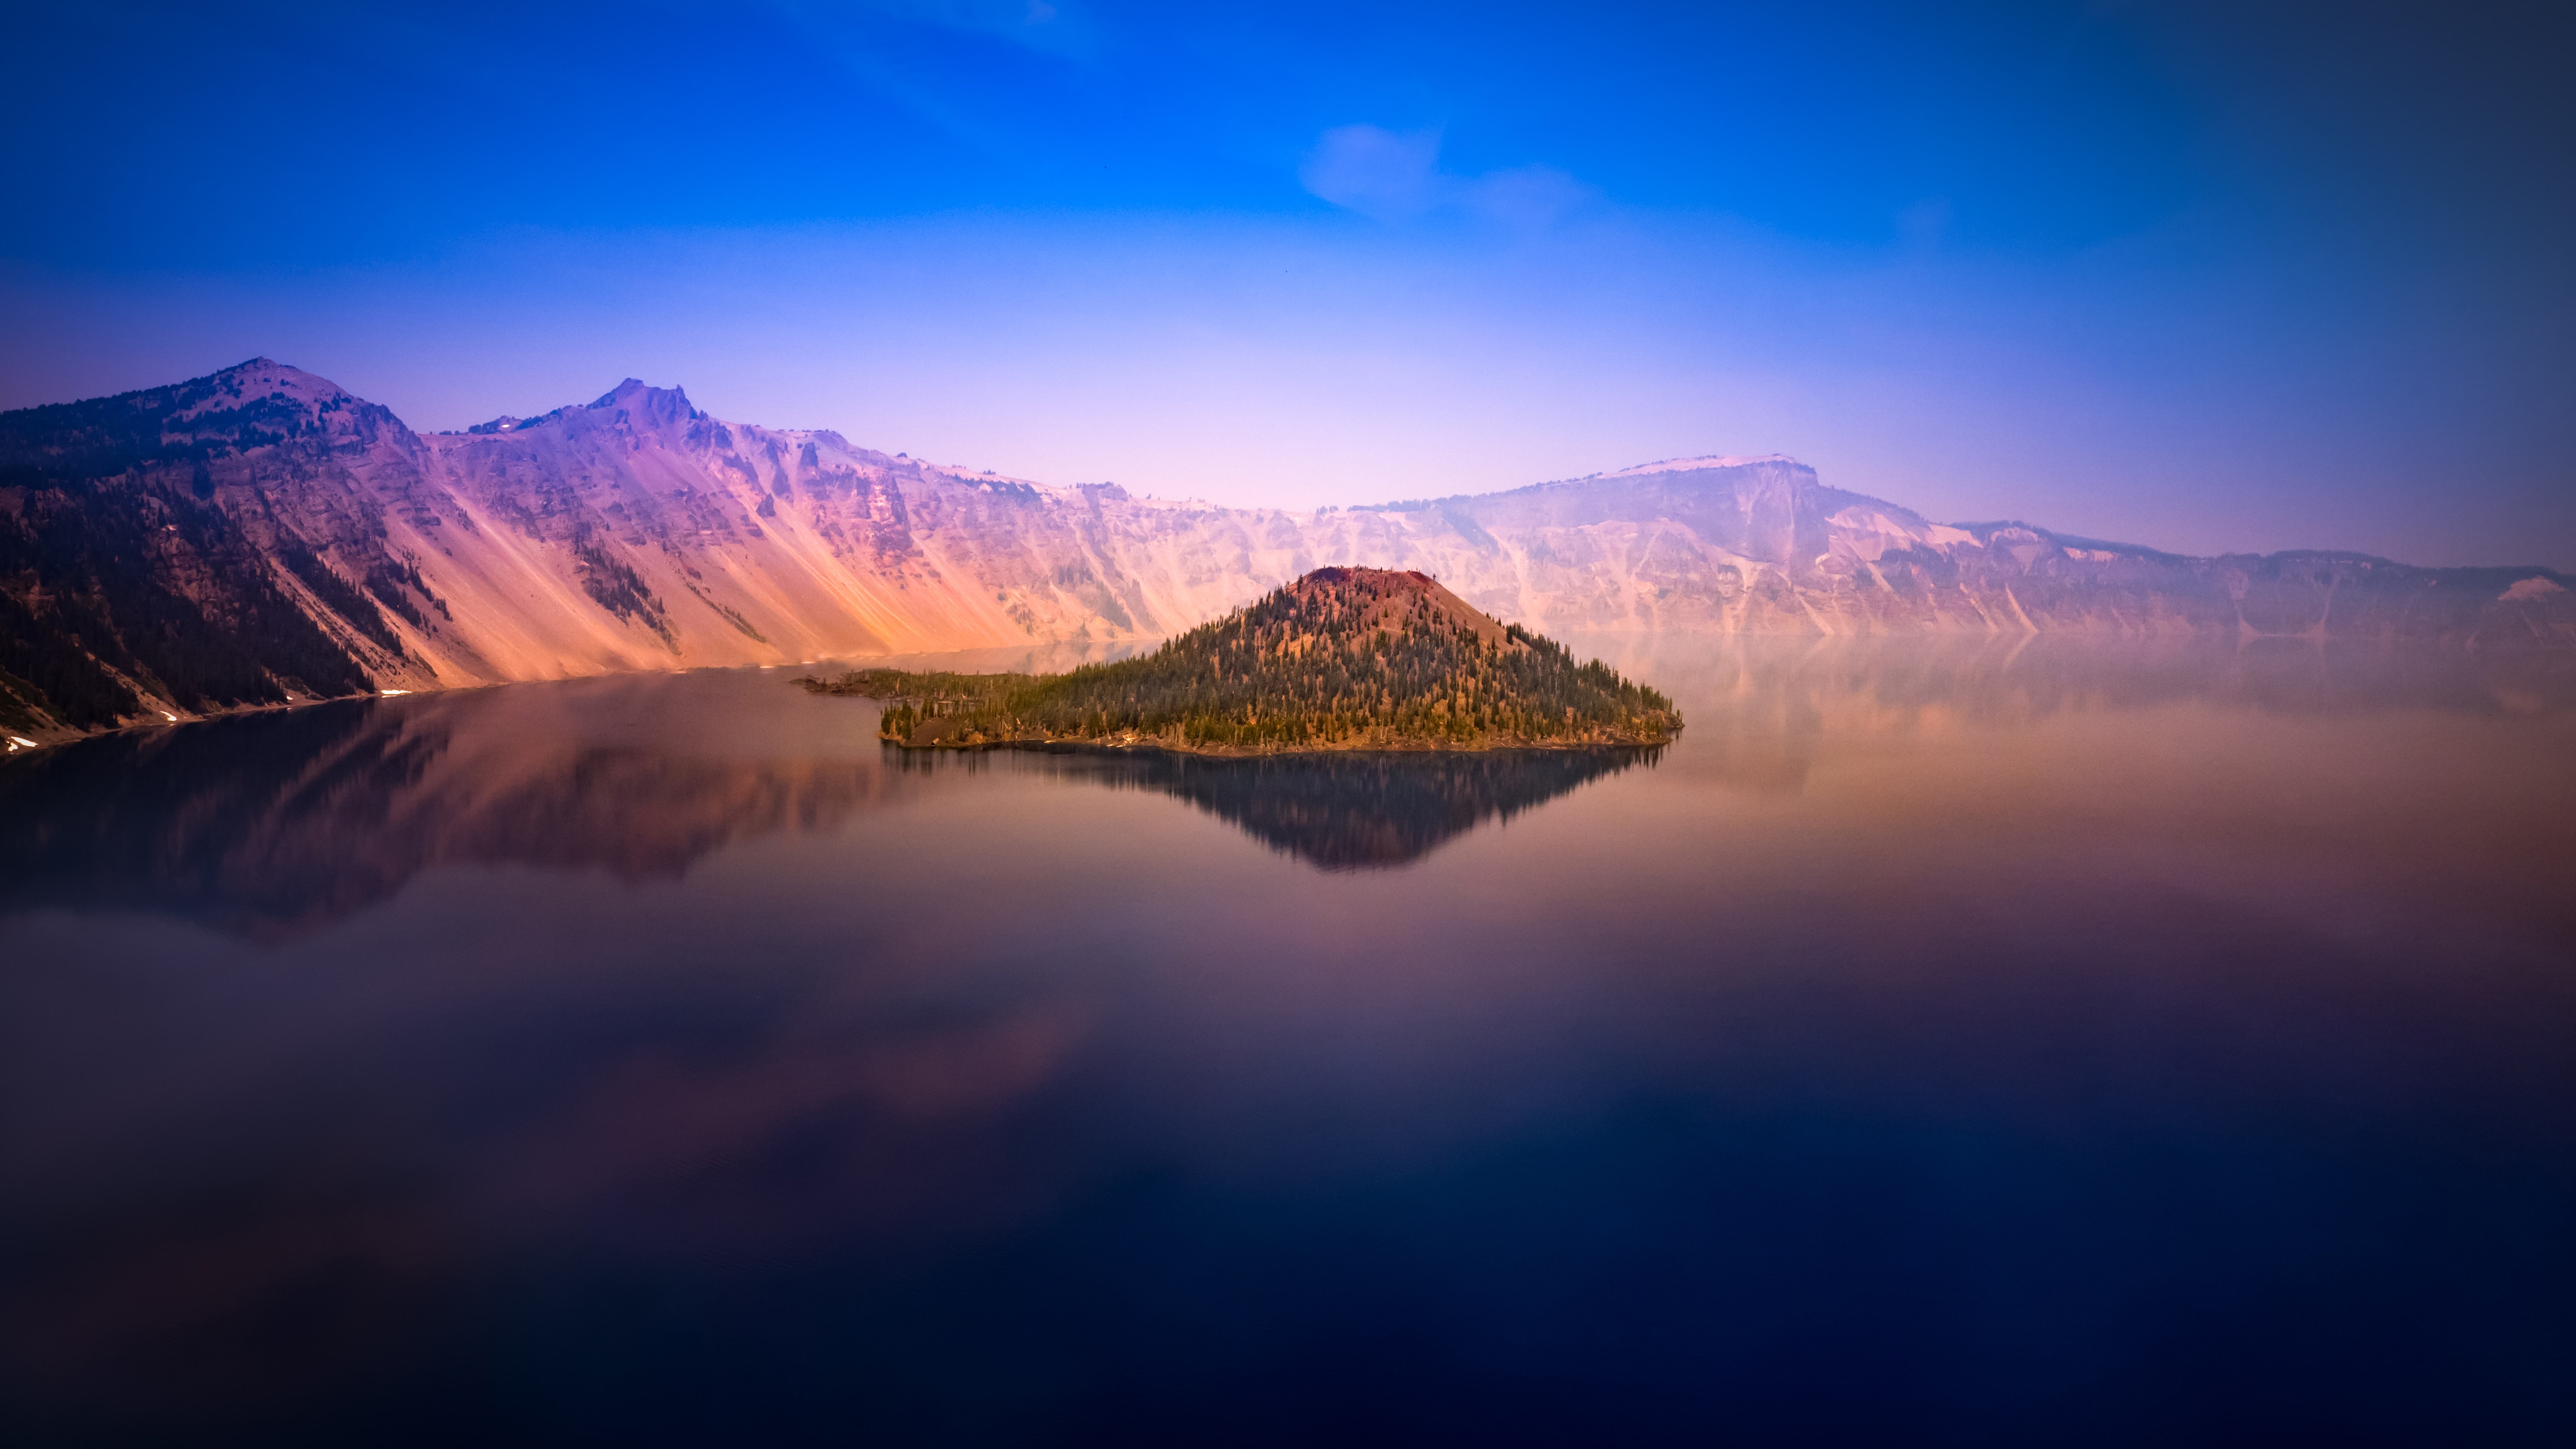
(1939, 1044)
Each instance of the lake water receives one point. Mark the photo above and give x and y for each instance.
(1941, 1043)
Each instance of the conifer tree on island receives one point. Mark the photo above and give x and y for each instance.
(1342, 659)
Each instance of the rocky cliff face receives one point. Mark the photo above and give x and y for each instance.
(261, 535)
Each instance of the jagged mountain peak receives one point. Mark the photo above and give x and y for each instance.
(636, 401)
(630, 391)
(646, 403)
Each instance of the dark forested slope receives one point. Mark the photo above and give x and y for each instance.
(121, 572)
(1343, 658)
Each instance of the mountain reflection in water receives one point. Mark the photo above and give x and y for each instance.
(1997, 1042)
(275, 823)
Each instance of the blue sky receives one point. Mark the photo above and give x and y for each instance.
(2206, 277)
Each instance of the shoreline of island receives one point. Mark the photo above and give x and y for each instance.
(1341, 661)
(1153, 745)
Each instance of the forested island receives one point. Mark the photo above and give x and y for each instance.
(1342, 659)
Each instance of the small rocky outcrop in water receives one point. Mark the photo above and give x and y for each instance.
(1342, 659)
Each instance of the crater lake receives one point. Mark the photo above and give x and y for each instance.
(1974, 1041)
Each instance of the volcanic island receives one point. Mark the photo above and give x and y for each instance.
(1342, 659)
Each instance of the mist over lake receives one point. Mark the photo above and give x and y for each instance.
(1984, 1041)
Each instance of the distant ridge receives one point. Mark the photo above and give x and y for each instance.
(260, 536)
(1693, 465)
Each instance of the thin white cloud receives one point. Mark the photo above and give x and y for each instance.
(1394, 176)
(1377, 172)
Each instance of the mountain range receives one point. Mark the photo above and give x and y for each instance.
(261, 535)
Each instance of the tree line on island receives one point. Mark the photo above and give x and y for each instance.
(1340, 659)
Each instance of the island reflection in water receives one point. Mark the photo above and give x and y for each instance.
(1979, 1041)
(1337, 812)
